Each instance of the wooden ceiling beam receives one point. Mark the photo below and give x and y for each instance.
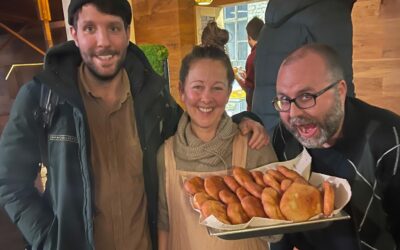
(12, 32)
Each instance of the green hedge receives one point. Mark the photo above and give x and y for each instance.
(156, 54)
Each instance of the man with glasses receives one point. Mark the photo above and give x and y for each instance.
(346, 138)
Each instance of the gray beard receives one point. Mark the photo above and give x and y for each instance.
(328, 127)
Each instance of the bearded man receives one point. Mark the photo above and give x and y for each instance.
(347, 138)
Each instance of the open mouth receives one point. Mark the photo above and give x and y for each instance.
(307, 130)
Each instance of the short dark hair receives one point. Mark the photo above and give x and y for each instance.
(254, 27)
(120, 8)
(205, 52)
(213, 35)
(329, 55)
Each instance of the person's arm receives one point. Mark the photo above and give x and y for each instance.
(388, 176)
(251, 124)
(240, 78)
(19, 159)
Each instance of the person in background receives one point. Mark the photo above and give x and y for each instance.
(289, 25)
(345, 137)
(212, 35)
(205, 143)
(246, 79)
(100, 146)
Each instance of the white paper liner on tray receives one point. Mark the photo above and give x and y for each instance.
(302, 165)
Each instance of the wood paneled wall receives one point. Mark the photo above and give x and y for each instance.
(170, 23)
(376, 55)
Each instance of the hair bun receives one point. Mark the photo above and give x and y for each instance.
(213, 36)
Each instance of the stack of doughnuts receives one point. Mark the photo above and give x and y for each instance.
(279, 193)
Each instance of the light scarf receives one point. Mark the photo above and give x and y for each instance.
(188, 147)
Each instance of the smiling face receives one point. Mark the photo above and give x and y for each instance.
(318, 126)
(102, 40)
(205, 93)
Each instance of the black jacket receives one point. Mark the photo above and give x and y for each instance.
(368, 156)
(62, 217)
(289, 24)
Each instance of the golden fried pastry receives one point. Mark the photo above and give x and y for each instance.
(241, 193)
(285, 184)
(194, 185)
(231, 182)
(253, 207)
(236, 213)
(301, 180)
(253, 188)
(301, 202)
(276, 174)
(241, 175)
(227, 196)
(270, 201)
(329, 198)
(199, 198)
(216, 208)
(258, 177)
(288, 173)
(270, 181)
(213, 185)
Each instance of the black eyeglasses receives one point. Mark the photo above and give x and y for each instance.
(303, 101)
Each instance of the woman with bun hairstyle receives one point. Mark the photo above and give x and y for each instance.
(213, 35)
(207, 142)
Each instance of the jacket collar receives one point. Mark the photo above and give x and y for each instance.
(61, 70)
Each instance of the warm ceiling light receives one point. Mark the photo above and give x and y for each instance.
(203, 2)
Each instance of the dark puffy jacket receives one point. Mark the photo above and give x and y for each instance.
(369, 152)
(62, 217)
(290, 24)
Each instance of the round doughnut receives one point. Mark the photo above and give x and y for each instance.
(270, 181)
(253, 188)
(216, 208)
(329, 198)
(270, 201)
(194, 185)
(199, 198)
(276, 174)
(253, 207)
(236, 213)
(301, 202)
(241, 175)
(213, 185)
(231, 183)
(285, 184)
(241, 193)
(291, 174)
(227, 196)
(258, 177)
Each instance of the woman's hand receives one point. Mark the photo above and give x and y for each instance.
(258, 136)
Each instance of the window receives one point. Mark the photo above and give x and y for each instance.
(235, 21)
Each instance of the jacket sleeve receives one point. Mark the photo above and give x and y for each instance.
(388, 176)
(19, 159)
(237, 118)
